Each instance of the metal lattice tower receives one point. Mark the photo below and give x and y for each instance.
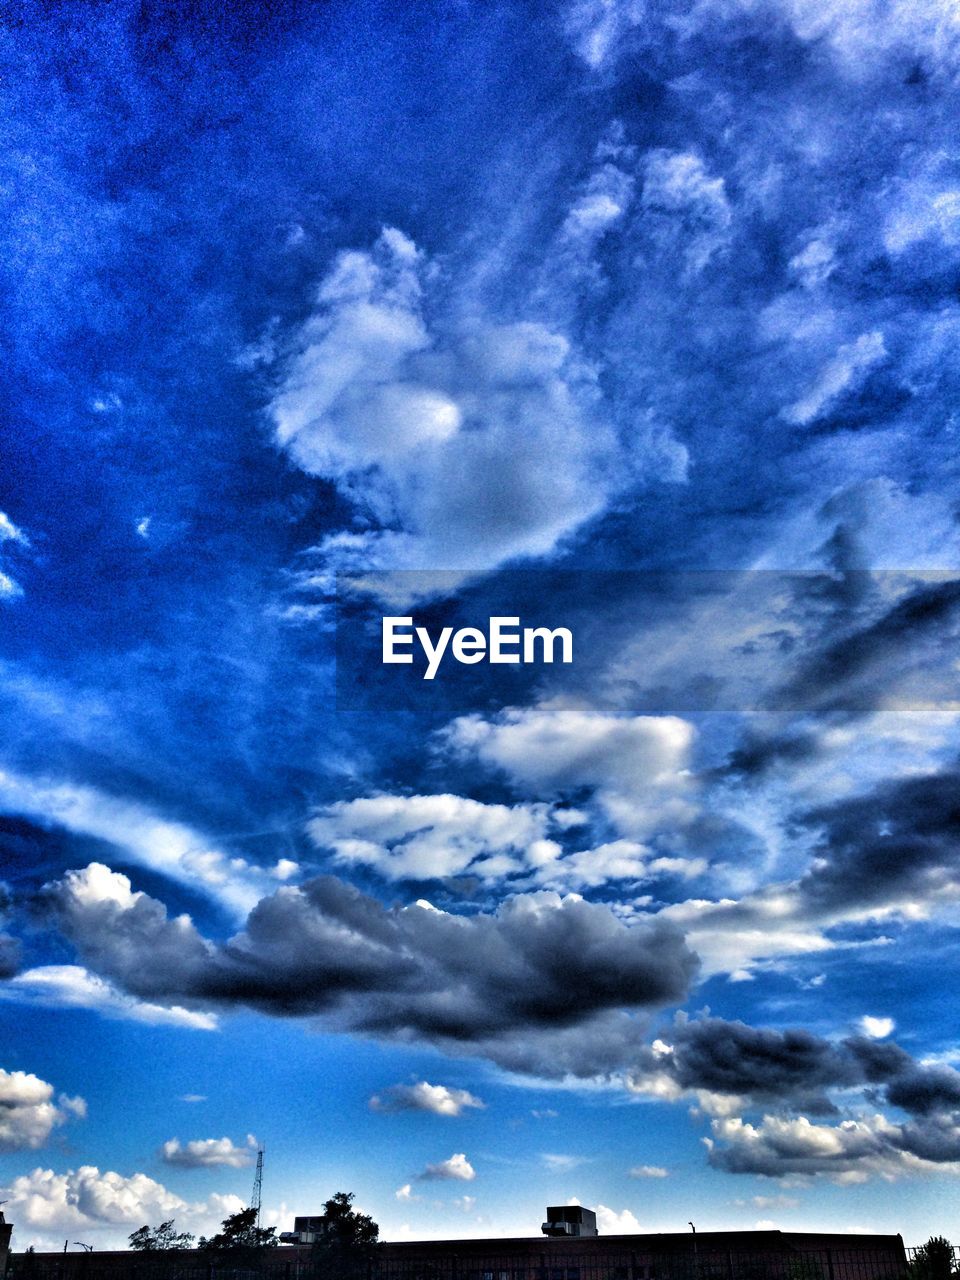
(257, 1185)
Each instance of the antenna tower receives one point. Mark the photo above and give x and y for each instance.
(257, 1185)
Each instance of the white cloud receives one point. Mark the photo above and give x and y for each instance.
(648, 1171)
(637, 764)
(439, 1099)
(208, 1153)
(28, 1114)
(848, 1153)
(474, 442)
(45, 1205)
(770, 1202)
(611, 1223)
(9, 588)
(876, 1028)
(70, 986)
(558, 1162)
(422, 837)
(457, 1168)
(678, 190)
(616, 860)
(154, 842)
(847, 29)
(556, 744)
(435, 836)
(405, 1194)
(9, 531)
(85, 1196)
(846, 371)
(596, 27)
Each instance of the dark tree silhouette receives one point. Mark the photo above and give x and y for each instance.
(346, 1243)
(933, 1260)
(240, 1232)
(149, 1239)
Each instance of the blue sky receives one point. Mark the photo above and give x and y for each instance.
(637, 319)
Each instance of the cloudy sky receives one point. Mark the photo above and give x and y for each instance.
(637, 318)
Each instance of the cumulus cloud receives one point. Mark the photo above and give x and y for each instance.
(524, 980)
(28, 1113)
(457, 1168)
(891, 848)
(104, 1205)
(83, 1197)
(637, 765)
(427, 837)
(648, 1171)
(560, 746)
(612, 1223)
(724, 1058)
(847, 1152)
(795, 1069)
(876, 1028)
(435, 837)
(731, 1068)
(208, 1153)
(438, 1099)
(617, 860)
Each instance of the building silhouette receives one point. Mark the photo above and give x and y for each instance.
(569, 1248)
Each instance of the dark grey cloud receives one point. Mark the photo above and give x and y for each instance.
(896, 843)
(885, 849)
(792, 1067)
(9, 946)
(758, 752)
(855, 671)
(926, 1090)
(786, 1076)
(540, 965)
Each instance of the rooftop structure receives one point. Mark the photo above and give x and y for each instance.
(569, 1220)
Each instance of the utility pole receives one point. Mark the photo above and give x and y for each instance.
(695, 1266)
(257, 1186)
